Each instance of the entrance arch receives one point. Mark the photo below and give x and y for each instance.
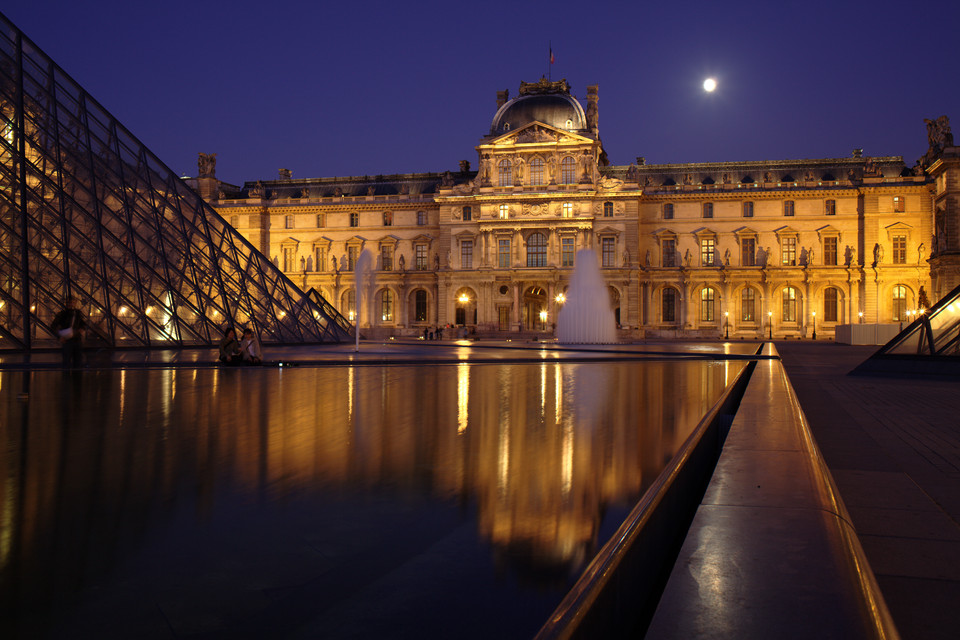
(615, 303)
(534, 308)
(466, 306)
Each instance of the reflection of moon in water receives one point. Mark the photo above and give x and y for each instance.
(709, 85)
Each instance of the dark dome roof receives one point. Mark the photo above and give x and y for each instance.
(554, 109)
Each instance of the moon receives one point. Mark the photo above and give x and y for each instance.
(709, 85)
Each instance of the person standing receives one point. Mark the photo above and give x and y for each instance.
(70, 326)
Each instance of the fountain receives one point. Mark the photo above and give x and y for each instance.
(586, 316)
(363, 288)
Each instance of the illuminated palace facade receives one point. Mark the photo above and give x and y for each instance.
(687, 250)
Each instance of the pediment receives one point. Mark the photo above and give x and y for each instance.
(608, 231)
(389, 239)
(422, 238)
(538, 133)
(466, 234)
(745, 232)
(664, 232)
(898, 226)
(323, 241)
(828, 231)
(786, 230)
(704, 232)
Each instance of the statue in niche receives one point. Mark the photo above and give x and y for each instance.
(552, 169)
(688, 178)
(333, 264)
(256, 191)
(207, 165)
(725, 178)
(726, 257)
(304, 193)
(646, 259)
(810, 259)
(436, 262)
(633, 173)
(626, 257)
(519, 175)
(343, 262)
(877, 255)
(686, 258)
(402, 263)
(303, 263)
(767, 176)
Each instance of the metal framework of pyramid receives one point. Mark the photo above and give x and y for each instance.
(87, 211)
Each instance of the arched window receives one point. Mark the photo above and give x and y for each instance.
(831, 299)
(748, 305)
(707, 304)
(386, 306)
(668, 304)
(537, 250)
(350, 304)
(420, 305)
(505, 173)
(568, 170)
(536, 171)
(789, 311)
(899, 303)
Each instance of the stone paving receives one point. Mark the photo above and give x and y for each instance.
(893, 448)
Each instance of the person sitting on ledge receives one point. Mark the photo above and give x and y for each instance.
(230, 348)
(250, 348)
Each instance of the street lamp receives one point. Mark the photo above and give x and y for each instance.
(726, 323)
(814, 325)
(770, 323)
(861, 317)
(543, 319)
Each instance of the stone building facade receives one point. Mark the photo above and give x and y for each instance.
(749, 249)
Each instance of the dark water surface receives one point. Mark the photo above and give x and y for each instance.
(427, 501)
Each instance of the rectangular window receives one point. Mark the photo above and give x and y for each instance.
(899, 249)
(607, 209)
(467, 214)
(788, 207)
(830, 251)
(352, 253)
(421, 257)
(319, 259)
(748, 305)
(503, 253)
(789, 309)
(747, 209)
(566, 252)
(899, 204)
(566, 210)
(668, 305)
(421, 218)
(536, 171)
(289, 259)
(608, 252)
(707, 209)
(466, 254)
(504, 211)
(707, 252)
(354, 219)
(788, 252)
(748, 252)
(668, 249)
(830, 207)
(388, 218)
(830, 304)
(668, 211)
(503, 318)
(321, 220)
(386, 258)
(288, 222)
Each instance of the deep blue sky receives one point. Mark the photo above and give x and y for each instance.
(371, 87)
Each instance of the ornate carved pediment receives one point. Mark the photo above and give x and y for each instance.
(544, 86)
(535, 208)
(537, 132)
(611, 184)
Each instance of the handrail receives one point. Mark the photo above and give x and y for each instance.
(596, 606)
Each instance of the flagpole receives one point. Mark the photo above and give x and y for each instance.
(550, 62)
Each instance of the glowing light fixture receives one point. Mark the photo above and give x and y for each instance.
(561, 298)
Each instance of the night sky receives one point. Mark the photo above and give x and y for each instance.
(366, 88)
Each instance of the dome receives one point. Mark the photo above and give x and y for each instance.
(556, 108)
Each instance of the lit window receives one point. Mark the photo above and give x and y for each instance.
(504, 211)
(566, 252)
(707, 209)
(707, 304)
(899, 303)
(748, 252)
(899, 204)
(289, 259)
(788, 207)
(354, 219)
(608, 252)
(899, 249)
(420, 305)
(386, 258)
(421, 218)
(788, 252)
(536, 171)
(503, 253)
(668, 211)
(386, 306)
(830, 207)
(566, 210)
(830, 304)
(708, 252)
(537, 250)
(388, 218)
(668, 249)
(420, 257)
(288, 222)
(350, 304)
(607, 209)
(830, 245)
(748, 305)
(789, 299)
(747, 209)
(568, 170)
(466, 254)
(467, 214)
(505, 173)
(668, 305)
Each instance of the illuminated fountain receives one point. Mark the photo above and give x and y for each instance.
(586, 317)
(363, 286)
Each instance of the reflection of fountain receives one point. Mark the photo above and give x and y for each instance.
(586, 316)
(363, 284)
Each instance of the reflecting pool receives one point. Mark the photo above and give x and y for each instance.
(436, 500)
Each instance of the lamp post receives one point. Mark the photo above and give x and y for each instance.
(770, 323)
(814, 325)
(543, 319)
(861, 317)
(726, 324)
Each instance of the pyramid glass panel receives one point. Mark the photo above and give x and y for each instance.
(87, 211)
(934, 333)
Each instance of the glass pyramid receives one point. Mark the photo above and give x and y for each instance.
(934, 333)
(87, 211)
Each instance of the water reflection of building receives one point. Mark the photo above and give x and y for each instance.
(542, 450)
(690, 249)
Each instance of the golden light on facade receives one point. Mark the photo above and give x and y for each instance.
(463, 299)
(543, 315)
(561, 298)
